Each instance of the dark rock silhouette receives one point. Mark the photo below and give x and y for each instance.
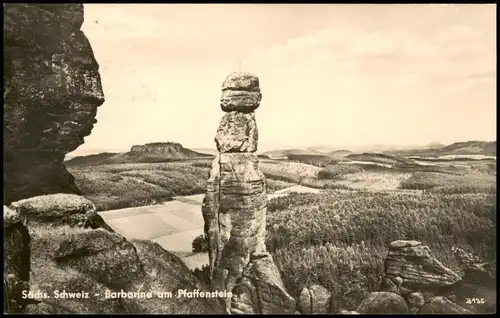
(52, 89)
(17, 263)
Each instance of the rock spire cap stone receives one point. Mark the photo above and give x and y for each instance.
(241, 81)
(240, 93)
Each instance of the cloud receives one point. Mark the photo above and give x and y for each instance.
(452, 51)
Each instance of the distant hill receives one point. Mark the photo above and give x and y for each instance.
(208, 151)
(323, 149)
(148, 153)
(435, 145)
(339, 154)
(89, 159)
(458, 148)
(470, 147)
(381, 158)
(284, 153)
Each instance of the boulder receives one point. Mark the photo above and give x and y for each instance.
(415, 300)
(412, 268)
(240, 92)
(52, 89)
(314, 300)
(383, 303)
(60, 209)
(241, 81)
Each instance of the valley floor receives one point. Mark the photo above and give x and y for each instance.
(174, 225)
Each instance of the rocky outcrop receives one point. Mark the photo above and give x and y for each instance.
(383, 303)
(235, 206)
(110, 269)
(314, 300)
(476, 291)
(97, 269)
(52, 89)
(17, 264)
(428, 287)
(260, 289)
(57, 209)
(442, 305)
(411, 267)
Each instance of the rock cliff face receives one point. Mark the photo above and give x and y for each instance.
(235, 206)
(52, 89)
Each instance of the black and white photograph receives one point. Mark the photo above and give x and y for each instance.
(238, 158)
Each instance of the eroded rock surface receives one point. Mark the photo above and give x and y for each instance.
(237, 133)
(428, 287)
(52, 89)
(442, 305)
(60, 208)
(260, 289)
(235, 206)
(99, 262)
(314, 300)
(241, 93)
(411, 267)
(383, 303)
(476, 291)
(17, 264)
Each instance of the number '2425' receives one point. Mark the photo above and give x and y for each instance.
(474, 301)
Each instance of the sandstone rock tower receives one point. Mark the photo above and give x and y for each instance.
(52, 92)
(235, 206)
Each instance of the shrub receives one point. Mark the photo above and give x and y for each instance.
(203, 274)
(200, 244)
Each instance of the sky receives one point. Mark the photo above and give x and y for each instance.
(330, 74)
